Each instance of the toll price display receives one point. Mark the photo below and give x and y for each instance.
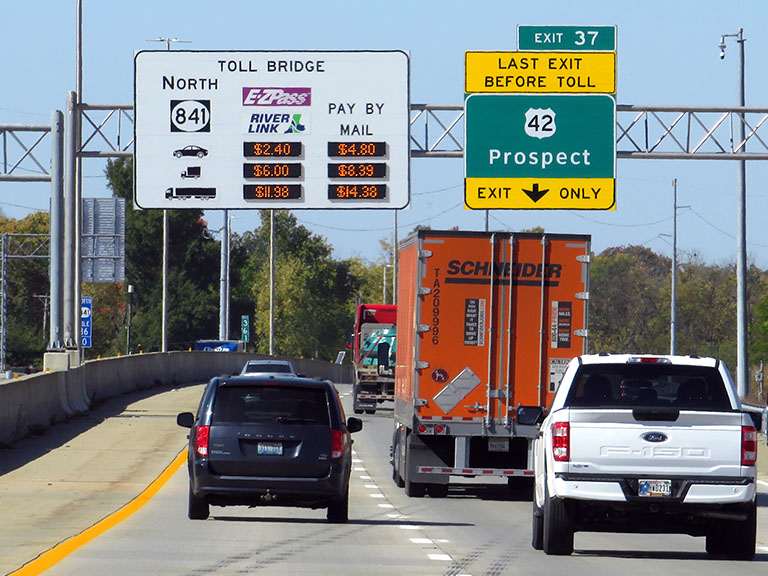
(275, 170)
(272, 191)
(356, 149)
(271, 149)
(361, 170)
(357, 191)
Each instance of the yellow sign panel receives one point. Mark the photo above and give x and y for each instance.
(546, 72)
(540, 193)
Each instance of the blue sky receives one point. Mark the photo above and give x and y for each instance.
(667, 55)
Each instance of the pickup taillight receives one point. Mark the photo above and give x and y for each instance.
(561, 441)
(201, 440)
(748, 446)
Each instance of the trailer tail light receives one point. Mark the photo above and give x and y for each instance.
(201, 440)
(561, 440)
(748, 446)
(337, 444)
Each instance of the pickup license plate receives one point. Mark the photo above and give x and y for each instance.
(270, 448)
(498, 444)
(654, 488)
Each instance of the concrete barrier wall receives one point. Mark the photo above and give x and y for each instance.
(31, 403)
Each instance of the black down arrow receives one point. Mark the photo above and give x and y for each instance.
(535, 194)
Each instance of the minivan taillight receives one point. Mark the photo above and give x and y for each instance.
(748, 446)
(201, 440)
(561, 441)
(337, 444)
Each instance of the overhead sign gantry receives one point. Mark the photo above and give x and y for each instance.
(256, 129)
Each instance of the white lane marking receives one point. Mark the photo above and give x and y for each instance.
(440, 557)
(763, 548)
(437, 557)
(762, 482)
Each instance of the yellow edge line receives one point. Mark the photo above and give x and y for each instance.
(65, 548)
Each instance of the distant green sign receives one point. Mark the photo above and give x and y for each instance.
(245, 329)
(567, 38)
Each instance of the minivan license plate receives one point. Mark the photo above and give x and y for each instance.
(270, 448)
(654, 488)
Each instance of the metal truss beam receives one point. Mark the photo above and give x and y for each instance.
(437, 131)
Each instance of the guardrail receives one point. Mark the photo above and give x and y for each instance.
(33, 403)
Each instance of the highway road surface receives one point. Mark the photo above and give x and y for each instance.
(69, 506)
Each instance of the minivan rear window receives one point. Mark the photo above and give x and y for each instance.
(267, 403)
(277, 368)
(648, 385)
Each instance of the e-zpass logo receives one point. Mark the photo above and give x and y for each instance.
(277, 96)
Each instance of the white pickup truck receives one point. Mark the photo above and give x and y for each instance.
(646, 444)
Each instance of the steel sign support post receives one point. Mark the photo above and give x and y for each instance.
(56, 229)
(71, 306)
(224, 281)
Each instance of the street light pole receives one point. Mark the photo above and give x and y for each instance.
(742, 368)
(166, 239)
(673, 298)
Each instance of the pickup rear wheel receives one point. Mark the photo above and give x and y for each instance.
(558, 531)
(740, 536)
(537, 526)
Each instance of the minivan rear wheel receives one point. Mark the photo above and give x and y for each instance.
(338, 510)
(198, 508)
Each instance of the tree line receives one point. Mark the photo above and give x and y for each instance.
(315, 293)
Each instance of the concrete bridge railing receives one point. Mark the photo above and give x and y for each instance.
(32, 403)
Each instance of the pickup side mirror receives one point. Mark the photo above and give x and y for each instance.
(757, 419)
(530, 415)
(185, 419)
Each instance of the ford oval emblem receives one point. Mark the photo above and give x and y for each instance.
(654, 437)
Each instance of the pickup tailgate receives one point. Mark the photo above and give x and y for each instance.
(613, 441)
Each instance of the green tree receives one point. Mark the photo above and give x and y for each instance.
(628, 310)
(27, 290)
(314, 294)
(193, 275)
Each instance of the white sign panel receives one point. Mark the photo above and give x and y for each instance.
(228, 130)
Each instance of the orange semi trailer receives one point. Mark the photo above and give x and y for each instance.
(487, 322)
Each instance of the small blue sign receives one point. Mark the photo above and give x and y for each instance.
(86, 321)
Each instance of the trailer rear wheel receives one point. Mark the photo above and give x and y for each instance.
(412, 489)
(437, 490)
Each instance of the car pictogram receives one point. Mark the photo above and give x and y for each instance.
(191, 151)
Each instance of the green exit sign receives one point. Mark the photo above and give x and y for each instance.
(567, 38)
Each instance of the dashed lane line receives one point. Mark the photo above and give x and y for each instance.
(376, 493)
